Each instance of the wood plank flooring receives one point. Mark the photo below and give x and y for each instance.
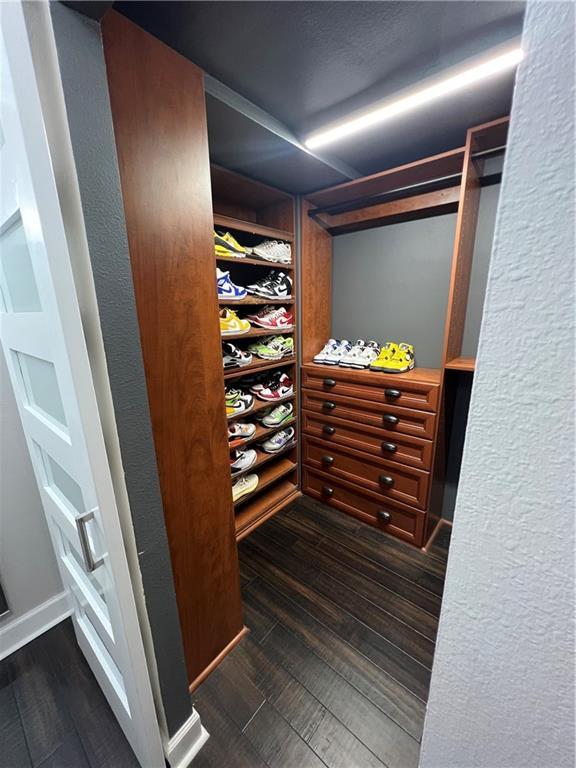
(336, 668)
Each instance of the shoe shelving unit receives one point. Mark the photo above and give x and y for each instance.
(253, 212)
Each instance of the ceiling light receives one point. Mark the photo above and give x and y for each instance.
(443, 87)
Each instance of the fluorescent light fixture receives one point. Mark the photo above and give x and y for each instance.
(448, 85)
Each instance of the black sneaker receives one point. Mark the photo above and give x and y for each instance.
(233, 357)
(276, 285)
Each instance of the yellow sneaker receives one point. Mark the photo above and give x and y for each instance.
(387, 352)
(231, 324)
(401, 361)
(227, 246)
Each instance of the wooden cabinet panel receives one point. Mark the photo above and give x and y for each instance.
(404, 484)
(403, 390)
(397, 448)
(396, 519)
(390, 418)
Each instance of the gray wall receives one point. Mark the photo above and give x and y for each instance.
(28, 569)
(391, 283)
(83, 74)
(502, 690)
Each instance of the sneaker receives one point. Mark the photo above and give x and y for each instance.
(340, 349)
(279, 441)
(227, 289)
(225, 246)
(273, 347)
(361, 355)
(387, 352)
(277, 416)
(274, 250)
(231, 324)
(349, 357)
(279, 319)
(401, 361)
(330, 346)
(238, 402)
(264, 381)
(275, 285)
(241, 431)
(279, 389)
(233, 357)
(241, 460)
(243, 486)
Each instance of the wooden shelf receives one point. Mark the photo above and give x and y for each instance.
(260, 405)
(427, 375)
(250, 300)
(264, 507)
(461, 364)
(255, 332)
(228, 222)
(256, 367)
(263, 459)
(261, 433)
(270, 474)
(254, 262)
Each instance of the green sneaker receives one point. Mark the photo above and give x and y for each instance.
(266, 348)
(280, 414)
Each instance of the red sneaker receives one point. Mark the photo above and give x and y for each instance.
(278, 389)
(273, 319)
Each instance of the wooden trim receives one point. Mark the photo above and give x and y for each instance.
(316, 285)
(243, 531)
(461, 364)
(435, 532)
(254, 229)
(217, 660)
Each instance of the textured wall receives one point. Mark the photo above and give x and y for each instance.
(502, 684)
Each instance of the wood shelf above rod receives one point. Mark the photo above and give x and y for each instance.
(250, 227)
(254, 262)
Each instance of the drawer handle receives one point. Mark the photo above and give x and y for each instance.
(328, 460)
(384, 516)
(327, 491)
(386, 480)
(392, 393)
(389, 419)
(329, 406)
(329, 382)
(390, 447)
(328, 430)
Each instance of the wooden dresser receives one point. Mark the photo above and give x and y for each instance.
(367, 444)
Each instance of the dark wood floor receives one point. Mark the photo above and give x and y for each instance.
(336, 668)
(52, 712)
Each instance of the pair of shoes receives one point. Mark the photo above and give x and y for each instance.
(238, 401)
(273, 250)
(343, 353)
(274, 285)
(231, 324)
(243, 486)
(274, 387)
(240, 432)
(273, 318)
(227, 247)
(394, 358)
(242, 459)
(227, 289)
(275, 417)
(273, 347)
(279, 441)
(234, 357)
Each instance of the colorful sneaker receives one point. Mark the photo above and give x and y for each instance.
(225, 246)
(227, 289)
(279, 441)
(243, 486)
(238, 402)
(275, 285)
(265, 380)
(402, 360)
(233, 357)
(279, 319)
(240, 460)
(330, 346)
(334, 356)
(277, 416)
(361, 355)
(274, 250)
(387, 352)
(266, 348)
(279, 389)
(231, 324)
(241, 431)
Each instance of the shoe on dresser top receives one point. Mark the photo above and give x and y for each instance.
(361, 355)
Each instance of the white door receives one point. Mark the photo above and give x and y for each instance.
(42, 338)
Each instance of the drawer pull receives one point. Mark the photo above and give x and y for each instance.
(328, 460)
(329, 382)
(386, 480)
(390, 447)
(327, 491)
(384, 516)
(392, 393)
(328, 430)
(389, 419)
(329, 406)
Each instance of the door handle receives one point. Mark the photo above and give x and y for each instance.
(89, 562)
(328, 430)
(392, 393)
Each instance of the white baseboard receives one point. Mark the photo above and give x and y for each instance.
(183, 747)
(15, 634)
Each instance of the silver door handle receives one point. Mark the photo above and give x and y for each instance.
(89, 562)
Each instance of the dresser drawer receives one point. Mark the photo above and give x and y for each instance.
(392, 481)
(398, 448)
(400, 521)
(370, 385)
(390, 418)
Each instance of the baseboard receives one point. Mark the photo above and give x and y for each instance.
(15, 634)
(183, 747)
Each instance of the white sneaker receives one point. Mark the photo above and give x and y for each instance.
(242, 459)
(274, 250)
(368, 355)
(349, 359)
(279, 441)
(333, 357)
(243, 486)
(330, 346)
